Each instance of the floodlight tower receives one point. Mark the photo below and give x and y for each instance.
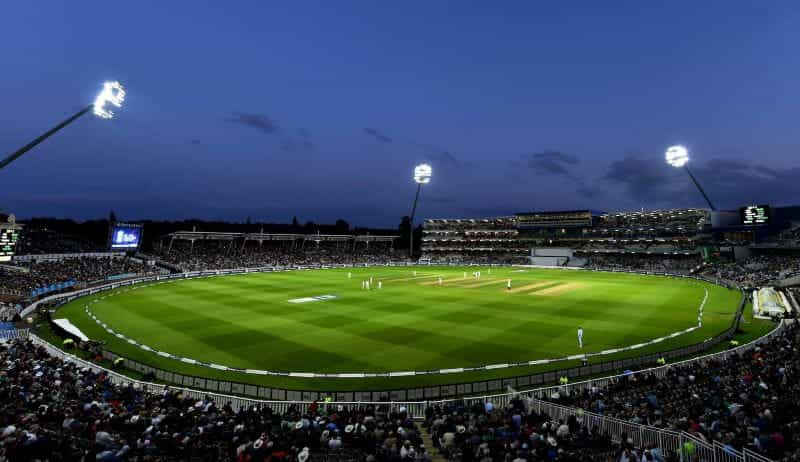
(422, 175)
(678, 156)
(112, 94)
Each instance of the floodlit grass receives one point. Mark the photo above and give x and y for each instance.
(412, 324)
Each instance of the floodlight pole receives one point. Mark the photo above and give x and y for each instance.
(14, 156)
(411, 223)
(702, 191)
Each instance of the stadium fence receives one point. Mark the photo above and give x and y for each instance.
(687, 446)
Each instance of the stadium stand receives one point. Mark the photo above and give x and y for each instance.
(194, 251)
(481, 432)
(577, 234)
(71, 413)
(755, 271)
(81, 270)
(38, 241)
(747, 401)
(644, 262)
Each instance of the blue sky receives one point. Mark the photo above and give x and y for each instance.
(321, 109)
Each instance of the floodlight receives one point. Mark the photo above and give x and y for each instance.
(113, 94)
(677, 156)
(422, 173)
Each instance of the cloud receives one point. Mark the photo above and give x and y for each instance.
(377, 135)
(260, 122)
(553, 162)
(300, 142)
(730, 183)
(642, 178)
(443, 159)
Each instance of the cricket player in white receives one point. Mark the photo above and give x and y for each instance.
(440, 280)
(380, 284)
(508, 284)
(580, 337)
(349, 275)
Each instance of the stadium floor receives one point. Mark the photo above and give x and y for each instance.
(410, 324)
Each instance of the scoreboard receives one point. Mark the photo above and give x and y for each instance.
(8, 242)
(755, 215)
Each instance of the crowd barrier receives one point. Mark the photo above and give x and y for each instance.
(685, 446)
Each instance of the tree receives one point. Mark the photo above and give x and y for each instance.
(342, 226)
(403, 230)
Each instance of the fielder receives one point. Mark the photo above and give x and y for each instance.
(508, 284)
(580, 337)
(380, 285)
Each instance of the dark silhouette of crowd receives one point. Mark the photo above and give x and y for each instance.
(750, 400)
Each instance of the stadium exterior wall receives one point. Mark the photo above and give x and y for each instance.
(409, 394)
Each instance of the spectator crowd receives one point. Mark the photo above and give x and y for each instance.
(755, 271)
(643, 262)
(218, 254)
(83, 270)
(750, 400)
(54, 410)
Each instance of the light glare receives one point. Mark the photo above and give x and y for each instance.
(113, 94)
(422, 173)
(677, 156)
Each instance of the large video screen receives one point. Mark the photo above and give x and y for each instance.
(755, 214)
(8, 243)
(126, 237)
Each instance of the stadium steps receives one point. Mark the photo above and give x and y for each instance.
(432, 451)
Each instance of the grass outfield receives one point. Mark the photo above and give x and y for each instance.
(245, 321)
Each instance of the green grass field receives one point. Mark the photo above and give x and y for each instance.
(411, 324)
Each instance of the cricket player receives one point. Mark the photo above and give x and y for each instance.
(380, 285)
(580, 337)
(440, 280)
(349, 275)
(508, 284)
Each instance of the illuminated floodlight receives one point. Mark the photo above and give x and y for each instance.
(422, 173)
(677, 156)
(112, 94)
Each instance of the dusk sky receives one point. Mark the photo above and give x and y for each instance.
(322, 109)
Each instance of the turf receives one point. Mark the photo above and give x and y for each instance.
(412, 324)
